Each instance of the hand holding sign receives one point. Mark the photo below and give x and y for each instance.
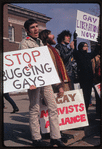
(28, 68)
(61, 92)
(72, 44)
(71, 112)
(32, 87)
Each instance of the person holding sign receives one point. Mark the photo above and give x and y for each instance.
(66, 53)
(85, 73)
(48, 39)
(32, 41)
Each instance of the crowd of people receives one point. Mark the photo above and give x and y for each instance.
(67, 61)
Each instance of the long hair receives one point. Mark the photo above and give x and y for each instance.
(81, 45)
(43, 35)
(62, 35)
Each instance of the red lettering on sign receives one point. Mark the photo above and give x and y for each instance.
(9, 60)
(28, 56)
(77, 118)
(47, 124)
(82, 107)
(76, 108)
(33, 54)
(67, 110)
(61, 110)
(43, 113)
(62, 122)
(26, 68)
(17, 57)
(82, 117)
(30, 65)
(67, 120)
(71, 108)
(99, 87)
(71, 120)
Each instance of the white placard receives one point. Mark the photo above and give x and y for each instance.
(18, 73)
(87, 26)
(98, 89)
(71, 111)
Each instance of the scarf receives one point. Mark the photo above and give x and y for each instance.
(61, 68)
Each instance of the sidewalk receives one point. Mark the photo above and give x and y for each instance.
(17, 132)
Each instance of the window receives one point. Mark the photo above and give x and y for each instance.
(24, 34)
(11, 33)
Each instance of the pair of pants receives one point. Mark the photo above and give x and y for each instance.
(34, 110)
(87, 88)
(10, 100)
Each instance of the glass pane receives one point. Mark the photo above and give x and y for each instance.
(23, 33)
(11, 33)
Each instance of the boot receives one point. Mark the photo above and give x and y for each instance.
(15, 110)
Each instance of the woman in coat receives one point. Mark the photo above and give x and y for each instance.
(85, 72)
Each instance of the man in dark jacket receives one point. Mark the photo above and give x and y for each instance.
(66, 53)
(85, 72)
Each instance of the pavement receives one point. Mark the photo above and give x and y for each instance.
(16, 131)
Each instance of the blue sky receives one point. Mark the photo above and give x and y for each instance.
(63, 14)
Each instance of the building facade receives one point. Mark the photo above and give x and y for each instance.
(13, 22)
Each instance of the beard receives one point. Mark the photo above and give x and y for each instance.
(51, 41)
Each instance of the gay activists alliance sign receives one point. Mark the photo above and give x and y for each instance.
(71, 112)
(87, 26)
(23, 68)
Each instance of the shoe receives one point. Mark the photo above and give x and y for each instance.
(15, 110)
(57, 142)
(40, 143)
(66, 137)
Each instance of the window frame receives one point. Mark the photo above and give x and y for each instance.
(24, 33)
(11, 34)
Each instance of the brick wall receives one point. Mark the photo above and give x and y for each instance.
(16, 21)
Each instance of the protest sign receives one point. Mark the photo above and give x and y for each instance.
(71, 112)
(23, 68)
(87, 26)
(98, 89)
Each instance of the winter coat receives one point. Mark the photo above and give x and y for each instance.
(84, 64)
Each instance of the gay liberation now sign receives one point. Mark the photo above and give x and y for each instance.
(87, 26)
(71, 112)
(23, 68)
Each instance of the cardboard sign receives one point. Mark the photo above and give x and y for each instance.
(71, 111)
(23, 68)
(98, 89)
(87, 26)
